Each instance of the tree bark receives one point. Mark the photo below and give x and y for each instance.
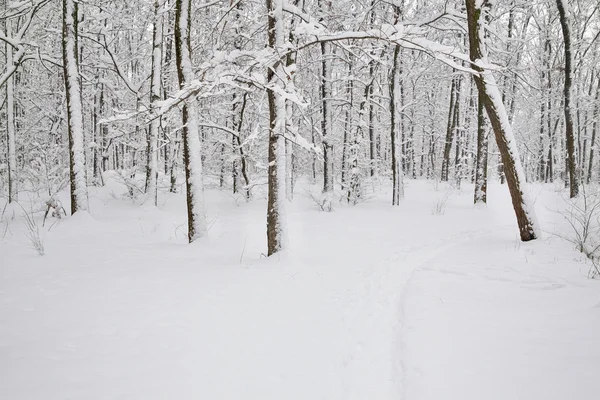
(595, 117)
(571, 162)
(276, 230)
(481, 163)
(397, 172)
(449, 133)
(498, 116)
(192, 148)
(77, 170)
(155, 85)
(11, 153)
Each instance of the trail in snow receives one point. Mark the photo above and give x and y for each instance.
(370, 302)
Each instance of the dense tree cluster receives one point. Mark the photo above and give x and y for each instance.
(253, 95)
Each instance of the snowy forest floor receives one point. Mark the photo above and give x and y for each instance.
(369, 302)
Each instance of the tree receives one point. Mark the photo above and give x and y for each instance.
(10, 118)
(563, 12)
(492, 100)
(481, 163)
(276, 83)
(77, 170)
(191, 140)
(155, 84)
(395, 109)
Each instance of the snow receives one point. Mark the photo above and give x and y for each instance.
(367, 302)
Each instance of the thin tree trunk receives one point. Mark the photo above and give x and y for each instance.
(595, 117)
(482, 154)
(325, 90)
(289, 148)
(397, 172)
(10, 122)
(347, 126)
(192, 148)
(449, 133)
(155, 84)
(550, 157)
(240, 148)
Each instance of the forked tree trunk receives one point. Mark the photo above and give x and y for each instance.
(498, 116)
(563, 12)
(276, 230)
(77, 172)
(192, 148)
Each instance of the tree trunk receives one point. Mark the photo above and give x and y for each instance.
(498, 116)
(482, 154)
(564, 14)
(595, 117)
(77, 171)
(397, 172)
(276, 230)
(289, 109)
(192, 148)
(449, 133)
(11, 153)
(155, 84)
(347, 126)
(550, 157)
(325, 90)
(242, 167)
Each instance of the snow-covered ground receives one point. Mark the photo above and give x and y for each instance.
(369, 302)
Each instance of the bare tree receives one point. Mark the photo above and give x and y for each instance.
(79, 196)
(564, 13)
(191, 140)
(155, 84)
(276, 77)
(492, 100)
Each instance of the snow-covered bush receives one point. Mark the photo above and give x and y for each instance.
(33, 232)
(583, 215)
(439, 205)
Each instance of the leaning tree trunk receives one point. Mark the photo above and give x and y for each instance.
(276, 232)
(563, 12)
(492, 100)
(155, 84)
(192, 147)
(77, 172)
